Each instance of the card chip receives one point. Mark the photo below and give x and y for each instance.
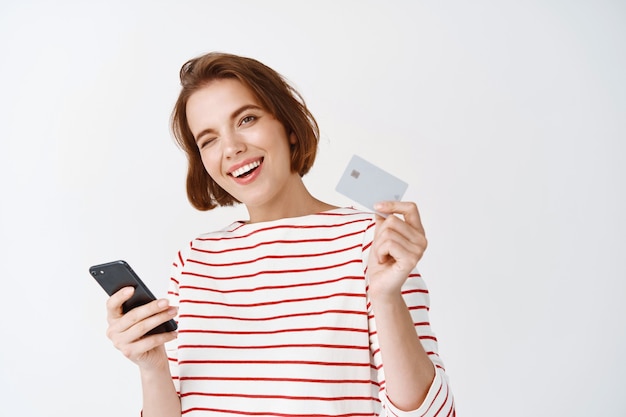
(355, 173)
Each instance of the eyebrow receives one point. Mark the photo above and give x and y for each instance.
(233, 116)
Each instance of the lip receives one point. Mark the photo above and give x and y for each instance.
(243, 163)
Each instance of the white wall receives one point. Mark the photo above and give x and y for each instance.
(507, 118)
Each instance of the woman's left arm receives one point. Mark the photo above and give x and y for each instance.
(398, 245)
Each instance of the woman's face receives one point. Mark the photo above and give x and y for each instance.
(244, 148)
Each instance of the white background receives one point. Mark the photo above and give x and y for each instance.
(507, 119)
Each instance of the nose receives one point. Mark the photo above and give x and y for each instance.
(233, 145)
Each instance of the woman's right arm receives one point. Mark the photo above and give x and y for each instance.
(126, 332)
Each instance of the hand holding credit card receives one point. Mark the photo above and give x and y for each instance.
(367, 184)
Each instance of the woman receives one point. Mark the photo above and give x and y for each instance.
(304, 309)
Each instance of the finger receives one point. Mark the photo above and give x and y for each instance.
(134, 350)
(412, 234)
(149, 323)
(137, 322)
(146, 313)
(391, 243)
(402, 263)
(407, 209)
(114, 302)
(399, 224)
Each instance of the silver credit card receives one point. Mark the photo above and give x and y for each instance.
(367, 184)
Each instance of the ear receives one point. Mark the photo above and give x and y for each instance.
(293, 138)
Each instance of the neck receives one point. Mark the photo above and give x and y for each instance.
(294, 203)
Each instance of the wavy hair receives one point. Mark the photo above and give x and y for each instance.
(275, 95)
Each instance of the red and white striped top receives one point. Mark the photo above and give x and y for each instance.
(274, 320)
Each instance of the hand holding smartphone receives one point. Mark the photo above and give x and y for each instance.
(113, 276)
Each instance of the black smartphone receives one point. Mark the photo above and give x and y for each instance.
(113, 276)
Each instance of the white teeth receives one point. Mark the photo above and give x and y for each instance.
(239, 172)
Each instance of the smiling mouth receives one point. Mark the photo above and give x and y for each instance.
(246, 170)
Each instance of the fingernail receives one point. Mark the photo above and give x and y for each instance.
(379, 205)
(163, 303)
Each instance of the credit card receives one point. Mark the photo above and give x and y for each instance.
(367, 184)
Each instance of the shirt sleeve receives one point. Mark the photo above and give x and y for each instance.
(171, 347)
(439, 401)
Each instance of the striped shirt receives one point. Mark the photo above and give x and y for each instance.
(274, 320)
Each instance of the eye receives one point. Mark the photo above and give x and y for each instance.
(247, 119)
(203, 143)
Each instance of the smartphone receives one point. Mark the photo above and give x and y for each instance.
(113, 276)
(367, 184)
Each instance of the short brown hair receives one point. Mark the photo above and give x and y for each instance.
(275, 95)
